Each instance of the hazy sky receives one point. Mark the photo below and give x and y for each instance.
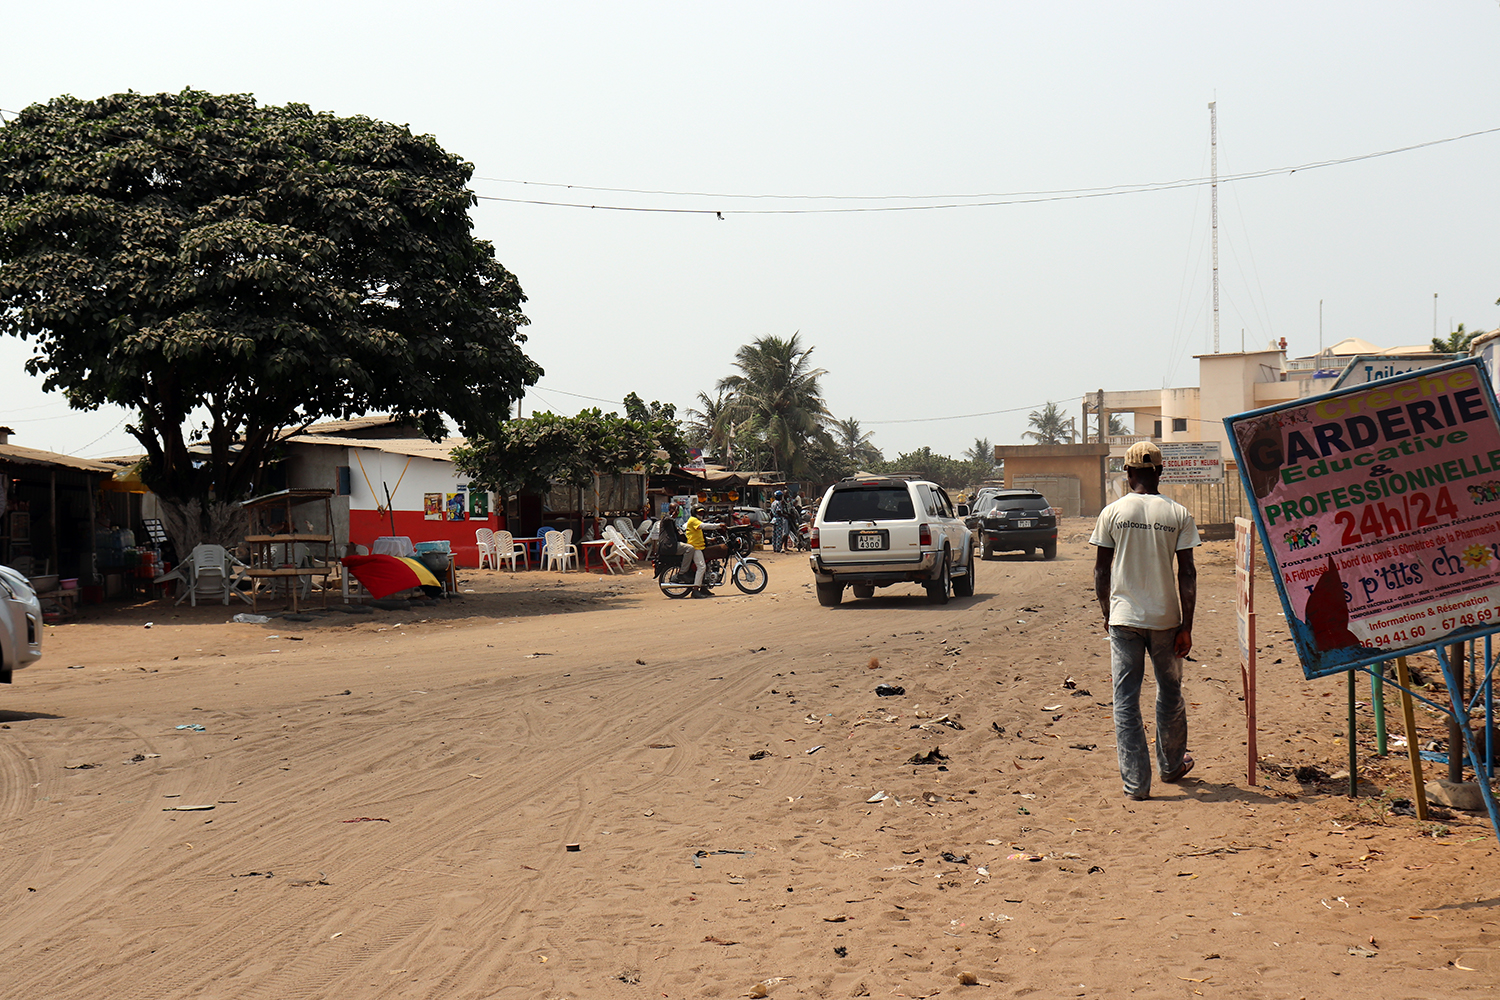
(915, 314)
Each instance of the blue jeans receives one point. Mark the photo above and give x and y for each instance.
(1128, 648)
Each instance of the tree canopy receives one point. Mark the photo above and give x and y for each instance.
(1049, 426)
(270, 265)
(777, 396)
(530, 454)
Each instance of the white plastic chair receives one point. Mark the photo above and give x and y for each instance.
(613, 551)
(484, 538)
(507, 549)
(558, 551)
(212, 571)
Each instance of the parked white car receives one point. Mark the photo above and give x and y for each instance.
(20, 623)
(875, 531)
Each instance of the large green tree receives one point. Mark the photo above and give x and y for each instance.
(532, 454)
(1456, 342)
(778, 396)
(232, 272)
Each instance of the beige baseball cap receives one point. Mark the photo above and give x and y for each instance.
(1143, 455)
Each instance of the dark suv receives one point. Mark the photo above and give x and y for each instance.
(1015, 521)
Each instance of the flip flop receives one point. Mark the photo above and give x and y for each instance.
(1181, 772)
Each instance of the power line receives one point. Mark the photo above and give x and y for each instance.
(964, 416)
(954, 201)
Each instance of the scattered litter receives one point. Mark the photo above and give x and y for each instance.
(245, 618)
(194, 726)
(955, 859)
(1069, 683)
(889, 690)
(880, 796)
(760, 755)
(149, 624)
(710, 939)
(999, 729)
(704, 854)
(931, 798)
(968, 979)
(816, 748)
(366, 819)
(1083, 746)
(255, 875)
(573, 847)
(836, 919)
(660, 746)
(76, 666)
(1050, 708)
(532, 656)
(1359, 951)
(933, 756)
(320, 880)
(185, 809)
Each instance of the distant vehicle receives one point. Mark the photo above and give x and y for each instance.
(1014, 521)
(20, 624)
(875, 531)
(760, 519)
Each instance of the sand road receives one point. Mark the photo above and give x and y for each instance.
(393, 796)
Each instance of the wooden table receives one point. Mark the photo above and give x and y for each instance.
(263, 566)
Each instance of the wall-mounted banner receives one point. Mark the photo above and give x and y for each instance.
(1191, 462)
(1379, 513)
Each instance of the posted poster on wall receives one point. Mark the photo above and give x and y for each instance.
(432, 507)
(1379, 513)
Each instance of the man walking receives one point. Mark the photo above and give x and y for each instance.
(778, 522)
(1146, 613)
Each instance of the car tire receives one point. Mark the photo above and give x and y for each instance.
(863, 591)
(830, 594)
(937, 590)
(1049, 551)
(963, 586)
(988, 552)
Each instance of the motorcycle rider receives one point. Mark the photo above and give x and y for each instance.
(693, 530)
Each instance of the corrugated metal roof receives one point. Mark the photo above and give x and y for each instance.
(33, 456)
(413, 447)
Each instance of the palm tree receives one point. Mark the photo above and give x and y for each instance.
(777, 394)
(1117, 425)
(1457, 342)
(1049, 426)
(982, 452)
(853, 444)
(710, 427)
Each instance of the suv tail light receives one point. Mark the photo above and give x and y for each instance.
(925, 537)
(812, 538)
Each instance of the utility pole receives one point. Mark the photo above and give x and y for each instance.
(1213, 144)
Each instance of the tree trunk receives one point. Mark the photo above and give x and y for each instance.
(190, 525)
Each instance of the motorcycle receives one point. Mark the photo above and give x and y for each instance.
(731, 557)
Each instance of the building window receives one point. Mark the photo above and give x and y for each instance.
(343, 484)
(1179, 424)
(1156, 429)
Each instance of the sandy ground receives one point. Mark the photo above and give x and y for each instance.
(392, 797)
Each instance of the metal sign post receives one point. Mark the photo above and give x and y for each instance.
(1378, 508)
(1244, 605)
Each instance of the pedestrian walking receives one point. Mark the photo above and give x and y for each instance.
(1148, 610)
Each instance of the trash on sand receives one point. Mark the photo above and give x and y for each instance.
(1083, 746)
(149, 624)
(185, 809)
(572, 847)
(760, 755)
(880, 796)
(245, 618)
(366, 819)
(933, 756)
(79, 767)
(1050, 708)
(763, 988)
(194, 726)
(889, 690)
(816, 748)
(955, 859)
(1359, 951)
(968, 979)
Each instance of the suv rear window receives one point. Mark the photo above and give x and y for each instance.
(1021, 503)
(881, 503)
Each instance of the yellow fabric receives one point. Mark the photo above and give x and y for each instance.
(424, 575)
(694, 530)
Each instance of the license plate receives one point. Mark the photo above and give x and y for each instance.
(866, 541)
(1024, 524)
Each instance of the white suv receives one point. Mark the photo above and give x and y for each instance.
(875, 531)
(20, 623)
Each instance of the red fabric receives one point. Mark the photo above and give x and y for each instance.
(384, 575)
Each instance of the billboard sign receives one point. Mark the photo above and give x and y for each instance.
(1365, 368)
(1378, 508)
(1191, 462)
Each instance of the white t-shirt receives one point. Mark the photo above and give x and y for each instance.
(1146, 530)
